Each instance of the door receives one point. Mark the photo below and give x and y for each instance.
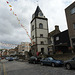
(42, 50)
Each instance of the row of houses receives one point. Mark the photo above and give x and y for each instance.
(19, 50)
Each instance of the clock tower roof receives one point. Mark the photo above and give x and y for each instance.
(38, 13)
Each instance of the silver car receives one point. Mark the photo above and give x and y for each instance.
(69, 64)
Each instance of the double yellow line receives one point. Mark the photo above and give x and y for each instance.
(5, 73)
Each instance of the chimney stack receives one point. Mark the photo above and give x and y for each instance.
(56, 27)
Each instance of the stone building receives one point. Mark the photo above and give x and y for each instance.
(70, 16)
(39, 32)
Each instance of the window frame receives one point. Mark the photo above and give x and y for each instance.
(41, 35)
(57, 38)
(32, 27)
(42, 42)
(73, 10)
(40, 25)
(33, 37)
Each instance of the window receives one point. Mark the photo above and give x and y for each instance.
(41, 35)
(33, 37)
(22, 50)
(23, 46)
(42, 50)
(73, 10)
(32, 27)
(57, 38)
(41, 25)
(74, 26)
(42, 42)
(40, 13)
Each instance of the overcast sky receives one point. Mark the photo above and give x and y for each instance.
(11, 31)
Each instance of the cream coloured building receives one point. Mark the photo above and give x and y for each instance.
(39, 32)
(23, 47)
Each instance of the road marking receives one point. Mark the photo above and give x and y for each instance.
(4, 69)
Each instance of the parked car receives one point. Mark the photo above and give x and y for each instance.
(51, 61)
(69, 64)
(15, 58)
(34, 59)
(10, 59)
(7, 58)
(0, 58)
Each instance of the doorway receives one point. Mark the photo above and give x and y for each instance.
(42, 50)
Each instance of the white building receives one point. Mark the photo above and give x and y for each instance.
(25, 46)
(39, 32)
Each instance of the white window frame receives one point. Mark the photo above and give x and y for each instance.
(57, 38)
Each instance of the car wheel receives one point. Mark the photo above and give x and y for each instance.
(34, 62)
(53, 64)
(68, 66)
(41, 63)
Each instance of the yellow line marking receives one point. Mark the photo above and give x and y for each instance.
(4, 69)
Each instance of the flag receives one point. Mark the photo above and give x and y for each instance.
(19, 22)
(10, 6)
(7, 2)
(17, 18)
(11, 9)
(21, 25)
(27, 32)
(15, 15)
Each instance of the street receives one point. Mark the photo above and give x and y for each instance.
(24, 68)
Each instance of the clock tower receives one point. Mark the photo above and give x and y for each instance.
(39, 32)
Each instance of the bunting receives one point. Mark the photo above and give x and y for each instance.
(7, 2)
(10, 9)
(19, 20)
(13, 13)
(9, 45)
(10, 6)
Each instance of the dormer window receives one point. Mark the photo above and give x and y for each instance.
(41, 26)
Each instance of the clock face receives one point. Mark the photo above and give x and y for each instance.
(73, 10)
(40, 13)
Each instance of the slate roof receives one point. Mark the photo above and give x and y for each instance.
(37, 11)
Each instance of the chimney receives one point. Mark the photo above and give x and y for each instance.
(56, 27)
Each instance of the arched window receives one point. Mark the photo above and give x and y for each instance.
(41, 25)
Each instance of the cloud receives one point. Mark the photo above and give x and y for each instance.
(12, 32)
